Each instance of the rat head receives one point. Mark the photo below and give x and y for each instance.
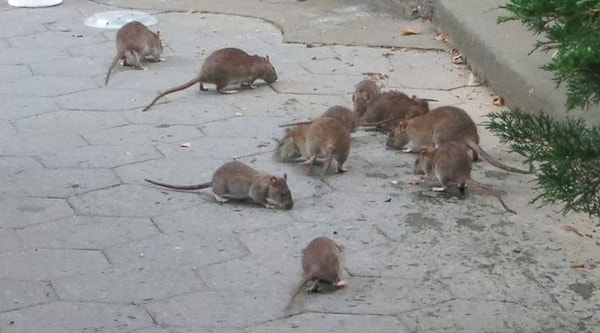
(397, 137)
(421, 162)
(419, 107)
(265, 69)
(279, 193)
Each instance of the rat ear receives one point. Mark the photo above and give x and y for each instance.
(285, 176)
(158, 33)
(353, 98)
(267, 58)
(423, 151)
(273, 181)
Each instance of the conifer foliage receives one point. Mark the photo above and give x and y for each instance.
(572, 29)
(566, 153)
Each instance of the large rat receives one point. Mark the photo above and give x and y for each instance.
(364, 92)
(391, 107)
(321, 266)
(446, 123)
(450, 164)
(134, 42)
(227, 67)
(327, 137)
(237, 181)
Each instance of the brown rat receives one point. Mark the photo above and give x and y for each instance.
(450, 164)
(341, 113)
(346, 116)
(134, 42)
(293, 145)
(327, 137)
(392, 107)
(364, 92)
(446, 123)
(227, 67)
(321, 265)
(237, 181)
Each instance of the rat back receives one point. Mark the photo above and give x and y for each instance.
(346, 116)
(453, 124)
(328, 136)
(322, 260)
(232, 66)
(233, 179)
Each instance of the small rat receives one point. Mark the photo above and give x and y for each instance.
(392, 107)
(450, 164)
(237, 181)
(321, 266)
(293, 145)
(134, 42)
(341, 113)
(327, 137)
(445, 123)
(364, 92)
(227, 67)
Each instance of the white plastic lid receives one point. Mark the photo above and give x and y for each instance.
(34, 3)
(117, 19)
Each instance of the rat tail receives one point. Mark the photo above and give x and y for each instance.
(296, 292)
(172, 90)
(181, 187)
(118, 56)
(493, 161)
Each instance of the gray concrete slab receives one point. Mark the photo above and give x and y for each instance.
(500, 52)
(90, 246)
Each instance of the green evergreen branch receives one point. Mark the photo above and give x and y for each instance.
(566, 153)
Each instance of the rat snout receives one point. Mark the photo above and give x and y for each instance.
(288, 205)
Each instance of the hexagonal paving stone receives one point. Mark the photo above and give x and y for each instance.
(119, 201)
(60, 317)
(218, 309)
(101, 156)
(18, 294)
(9, 240)
(11, 72)
(59, 183)
(21, 107)
(177, 251)
(103, 99)
(70, 122)
(87, 232)
(39, 143)
(45, 264)
(142, 135)
(130, 285)
(332, 322)
(21, 212)
(46, 86)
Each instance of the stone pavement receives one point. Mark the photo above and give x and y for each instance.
(87, 246)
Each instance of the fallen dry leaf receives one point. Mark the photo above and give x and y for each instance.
(578, 266)
(239, 114)
(186, 145)
(391, 69)
(413, 182)
(409, 31)
(441, 37)
(498, 101)
(458, 59)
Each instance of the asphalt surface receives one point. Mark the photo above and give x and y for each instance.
(87, 246)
